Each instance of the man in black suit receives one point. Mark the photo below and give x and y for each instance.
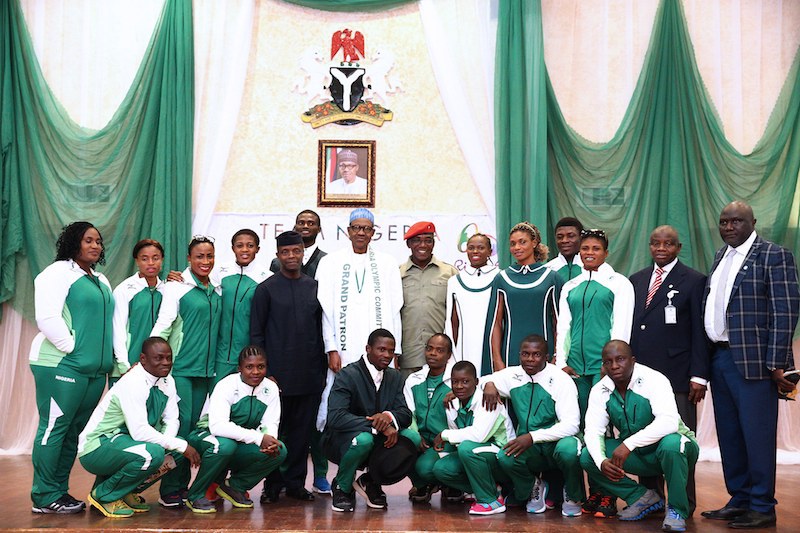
(750, 313)
(667, 332)
(308, 225)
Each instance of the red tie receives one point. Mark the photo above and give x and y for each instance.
(654, 287)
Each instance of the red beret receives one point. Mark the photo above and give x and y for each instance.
(419, 228)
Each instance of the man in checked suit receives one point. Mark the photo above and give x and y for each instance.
(750, 313)
(667, 333)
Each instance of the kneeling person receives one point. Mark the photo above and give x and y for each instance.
(425, 391)
(240, 434)
(545, 400)
(638, 401)
(478, 435)
(366, 408)
(125, 440)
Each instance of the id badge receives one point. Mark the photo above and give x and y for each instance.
(670, 315)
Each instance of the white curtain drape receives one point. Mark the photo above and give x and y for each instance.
(461, 41)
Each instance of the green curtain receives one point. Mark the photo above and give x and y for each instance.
(668, 163)
(520, 119)
(132, 179)
(350, 5)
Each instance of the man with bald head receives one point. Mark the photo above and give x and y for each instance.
(667, 332)
(750, 313)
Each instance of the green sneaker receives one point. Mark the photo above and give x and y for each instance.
(136, 502)
(115, 509)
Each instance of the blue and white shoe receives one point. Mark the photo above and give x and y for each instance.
(673, 521)
(321, 486)
(538, 496)
(648, 503)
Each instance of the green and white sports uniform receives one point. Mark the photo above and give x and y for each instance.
(546, 406)
(566, 270)
(69, 358)
(478, 435)
(649, 425)
(595, 308)
(189, 320)
(229, 436)
(238, 286)
(128, 433)
(136, 309)
(424, 396)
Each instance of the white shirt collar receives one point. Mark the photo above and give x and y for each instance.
(668, 267)
(744, 248)
(375, 374)
(480, 271)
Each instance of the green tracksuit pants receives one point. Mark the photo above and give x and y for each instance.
(192, 392)
(423, 469)
(672, 456)
(121, 464)
(356, 457)
(472, 468)
(247, 463)
(65, 401)
(564, 454)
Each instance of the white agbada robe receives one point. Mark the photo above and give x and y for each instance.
(468, 294)
(359, 293)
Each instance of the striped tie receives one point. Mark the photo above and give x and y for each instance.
(654, 287)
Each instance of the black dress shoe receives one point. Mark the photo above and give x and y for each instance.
(271, 493)
(300, 493)
(754, 520)
(726, 513)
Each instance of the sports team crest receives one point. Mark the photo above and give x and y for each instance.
(345, 91)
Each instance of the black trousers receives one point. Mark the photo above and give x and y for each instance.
(298, 415)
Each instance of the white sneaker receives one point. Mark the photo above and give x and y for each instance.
(538, 494)
(569, 507)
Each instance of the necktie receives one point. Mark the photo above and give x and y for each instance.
(655, 286)
(720, 305)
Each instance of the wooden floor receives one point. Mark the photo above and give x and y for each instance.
(289, 515)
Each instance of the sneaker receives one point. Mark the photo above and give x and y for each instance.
(485, 509)
(606, 508)
(342, 501)
(422, 494)
(649, 502)
(371, 491)
(211, 492)
(673, 521)
(451, 495)
(591, 503)
(570, 507)
(136, 502)
(538, 494)
(201, 505)
(173, 500)
(321, 486)
(236, 497)
(64, 505)
(115, 509)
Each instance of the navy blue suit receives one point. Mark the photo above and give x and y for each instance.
(761, 316)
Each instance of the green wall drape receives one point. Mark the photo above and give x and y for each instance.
(132, 179)
(668, 163)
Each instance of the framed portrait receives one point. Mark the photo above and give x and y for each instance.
(346, 174)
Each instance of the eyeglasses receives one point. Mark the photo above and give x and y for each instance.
(202, 238)
(347, 166)
(362, 229)
(593, 233)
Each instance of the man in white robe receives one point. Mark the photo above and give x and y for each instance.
(360, 291)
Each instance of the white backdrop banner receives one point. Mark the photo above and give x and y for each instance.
(452, 232)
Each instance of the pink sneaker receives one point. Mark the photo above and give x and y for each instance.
(497, 506)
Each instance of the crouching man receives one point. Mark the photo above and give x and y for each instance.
(638, 401)
(130, 431)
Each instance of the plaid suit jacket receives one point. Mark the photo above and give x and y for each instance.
(763, 309)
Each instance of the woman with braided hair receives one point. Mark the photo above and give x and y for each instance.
(524, 300)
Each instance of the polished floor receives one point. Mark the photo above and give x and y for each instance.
(291, 515)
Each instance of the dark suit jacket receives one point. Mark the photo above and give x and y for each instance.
(353, 398)
(679, 351)
(763, 309)
(309, 269)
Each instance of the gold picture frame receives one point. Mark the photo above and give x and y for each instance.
(346, 174)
